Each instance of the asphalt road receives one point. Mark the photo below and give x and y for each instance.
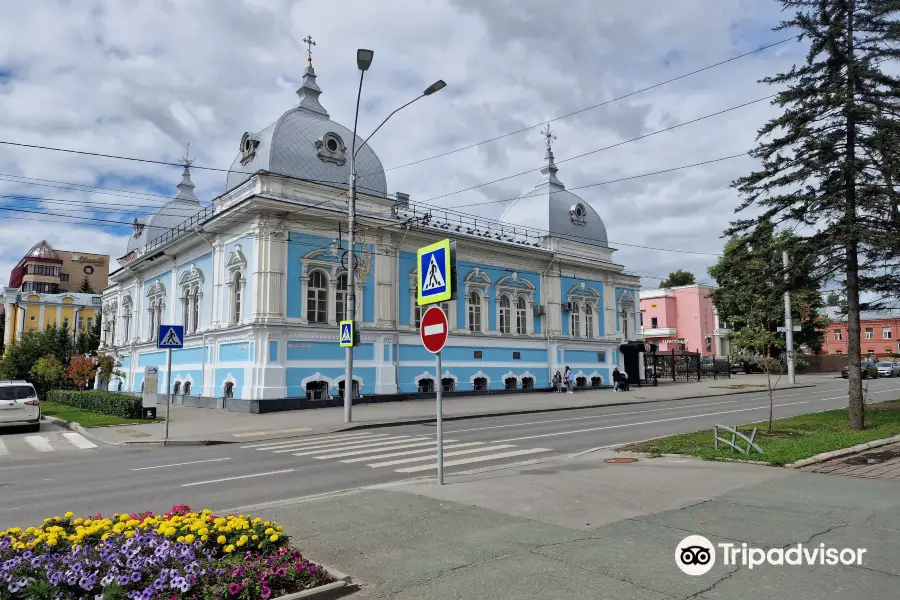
(87, 480)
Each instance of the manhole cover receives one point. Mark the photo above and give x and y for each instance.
(619, 461)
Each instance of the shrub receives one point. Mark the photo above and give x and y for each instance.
(107, 403)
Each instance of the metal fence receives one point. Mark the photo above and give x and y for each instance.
(684, 366)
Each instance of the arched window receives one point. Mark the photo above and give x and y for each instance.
(341, 387)
(426, 386)
(527, 383)
(596, 382)
(505, 314)
(237, 292)
(449, 384)
(228, 389)
(625, 323)
(317, 390)
(575, 314)
(176, 388)
(186, 310)
(588, 321)
(420, 310)
(186, 390)
(521, 317)
(510, 383)
(480, 384)
(580, 381)
(340, 301)
(195, 309)
(317, 298)
(474, 311)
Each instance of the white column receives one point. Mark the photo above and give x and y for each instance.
(172, 297)
(59, 308)
(386, 277)
(218, 275)
(41, 318)
(7, 316)
(552, 297)
(267, 274)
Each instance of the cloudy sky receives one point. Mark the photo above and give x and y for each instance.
(139, 78)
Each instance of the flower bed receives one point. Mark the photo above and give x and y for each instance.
(178, 555)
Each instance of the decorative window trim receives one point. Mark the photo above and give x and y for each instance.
(478, 374)
(597, 374)
(449, 375)
(514, 376)
(315, 378)
(356, 379)
(581, 295)
(156, 307)
(236, 263)
(328, 260)
(330, 289)
(425, 375)
(578, 214)
(482, 313)
(192, 276)
(515, 288)
(249, 146)
(229, 379)
(331, 148)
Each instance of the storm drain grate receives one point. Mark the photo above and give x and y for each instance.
(620, 461)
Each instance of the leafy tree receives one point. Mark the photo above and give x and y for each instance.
(109, 366)
(679, 277)
(81, 370)
(86, 287)
(47, 373)
(822, 160)
(22, 354)
(751, 279)
(2, 332)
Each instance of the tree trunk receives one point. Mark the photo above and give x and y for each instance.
(856, 406)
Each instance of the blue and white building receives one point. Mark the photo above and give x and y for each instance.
(257, 280)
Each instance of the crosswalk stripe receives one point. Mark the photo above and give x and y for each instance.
(392, 442)
(402, 444)
(408, 452)
(3, 449)
(79, 441)
(315, 444)
(303, 440)
(457, 453)
(466, 461)
(328, 446)
(39, 443)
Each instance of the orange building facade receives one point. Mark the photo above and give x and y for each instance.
(879, 333)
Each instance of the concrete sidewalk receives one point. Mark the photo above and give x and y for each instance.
(188, 424)
(586, 529)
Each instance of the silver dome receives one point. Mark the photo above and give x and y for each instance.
(172, 214)
(305, 143)
(555, 211)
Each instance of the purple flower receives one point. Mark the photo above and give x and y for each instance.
(234, 589)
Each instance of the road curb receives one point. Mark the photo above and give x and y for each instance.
(70, 425)
(843, 452)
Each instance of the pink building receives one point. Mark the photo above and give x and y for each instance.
(683, 318)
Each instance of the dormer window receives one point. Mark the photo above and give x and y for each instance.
(138, 227)
(331, 148)
(249, 144)
(578, 214)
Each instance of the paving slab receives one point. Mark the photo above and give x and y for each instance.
(853, 465)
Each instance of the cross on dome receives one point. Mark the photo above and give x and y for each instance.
(309, 44)
(185, 160)
(549, 135)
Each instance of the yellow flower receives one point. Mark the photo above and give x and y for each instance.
(221, 539)
(229, 548)
(189, 539)
(129, 534)
(270, 531)
(180, 538)
(204, 531)
(274, 537)
(203, 538)
(69, 515)
(255, 537)
(259, 545)
(241, 542)
(52, 542)
(279, 529)
(171, 531)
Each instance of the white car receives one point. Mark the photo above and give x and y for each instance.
(886, 369)
(19, 405)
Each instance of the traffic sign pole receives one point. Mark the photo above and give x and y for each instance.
(439, 387)
(168, 388)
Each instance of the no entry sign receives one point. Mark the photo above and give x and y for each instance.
(434, 329)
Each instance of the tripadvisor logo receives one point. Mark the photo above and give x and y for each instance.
(696, 555)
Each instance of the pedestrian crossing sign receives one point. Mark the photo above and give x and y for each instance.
(346, 334)
(170, 336)
(436, 272)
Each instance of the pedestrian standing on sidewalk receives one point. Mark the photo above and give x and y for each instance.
(557, 383)
(568, 380)
(617, 378)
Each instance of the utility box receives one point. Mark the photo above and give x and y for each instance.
(148, 413)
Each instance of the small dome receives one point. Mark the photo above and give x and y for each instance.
(555, 211)
(305, 143)
(172, 214)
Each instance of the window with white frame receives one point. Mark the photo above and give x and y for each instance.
(237, 293)
(156, 306)
(126, 320)
(588, 321)
(521, 316)
(870, 333)
(317, 297)
(474, 306)
(420, 310)
(190, 282)
(575, 317)
(625, 323)
(886, 333)
(505, 314)
(340, 298)
(235, 267)
(837, 335)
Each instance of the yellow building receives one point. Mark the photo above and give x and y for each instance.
(38, 294)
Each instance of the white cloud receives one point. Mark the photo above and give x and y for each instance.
(141, 78)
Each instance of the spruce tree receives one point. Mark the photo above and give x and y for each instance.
(822, 159)
(86, 287)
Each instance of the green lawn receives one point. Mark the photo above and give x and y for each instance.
(792, 439)
(85, 418)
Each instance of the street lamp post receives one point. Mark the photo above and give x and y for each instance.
(363, 62)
